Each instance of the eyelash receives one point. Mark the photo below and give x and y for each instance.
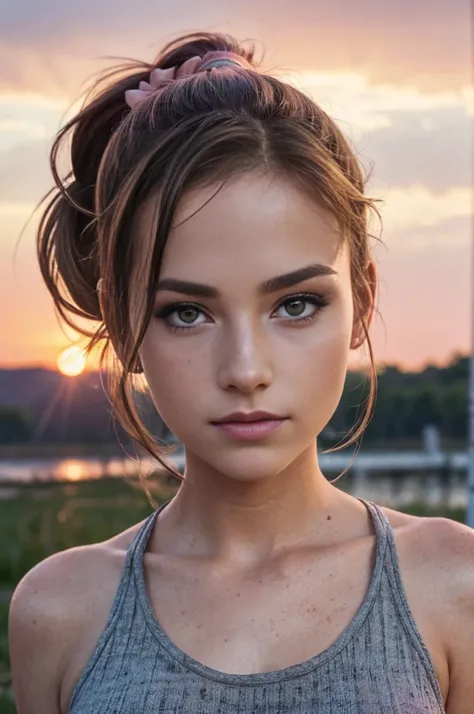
(317, 300)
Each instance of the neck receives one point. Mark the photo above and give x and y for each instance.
(215, 515)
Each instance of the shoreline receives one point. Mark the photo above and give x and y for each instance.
(17, 452)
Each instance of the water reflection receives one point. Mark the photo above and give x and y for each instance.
(404, 489)
(42, 470)
(393, 489)
(72, 471)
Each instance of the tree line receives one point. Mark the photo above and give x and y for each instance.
(406, 402)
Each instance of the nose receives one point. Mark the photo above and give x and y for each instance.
(244, 361)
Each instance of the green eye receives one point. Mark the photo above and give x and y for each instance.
(301, 308)
(187, 314)
(295, 308)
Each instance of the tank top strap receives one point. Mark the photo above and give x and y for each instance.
(391, 565)
(397, 591)
(138, 546)
(380, 523)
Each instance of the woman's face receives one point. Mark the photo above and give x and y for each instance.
(240, 340)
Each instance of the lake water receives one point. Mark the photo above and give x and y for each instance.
(40, 470)
(430, 486)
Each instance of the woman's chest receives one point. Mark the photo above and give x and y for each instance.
(258, 621)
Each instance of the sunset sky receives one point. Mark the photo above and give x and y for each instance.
(396, 76)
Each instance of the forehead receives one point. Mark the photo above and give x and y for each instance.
(253, 227)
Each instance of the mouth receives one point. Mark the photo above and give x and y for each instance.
(250, 427)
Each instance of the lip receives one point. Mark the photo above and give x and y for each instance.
(247, 417)
(249, 426)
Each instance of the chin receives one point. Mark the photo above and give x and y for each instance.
(251, 464)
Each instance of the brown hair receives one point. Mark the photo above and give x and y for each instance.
(204, 129)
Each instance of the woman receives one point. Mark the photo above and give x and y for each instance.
(216, 229)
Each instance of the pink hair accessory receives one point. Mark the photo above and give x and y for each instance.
(160, 78)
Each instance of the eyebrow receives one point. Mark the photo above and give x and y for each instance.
(271, 285)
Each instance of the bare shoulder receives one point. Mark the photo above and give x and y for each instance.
(437, 563)
(441, 544)
(56, 616)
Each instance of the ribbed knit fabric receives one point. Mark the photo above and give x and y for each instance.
(378, 665)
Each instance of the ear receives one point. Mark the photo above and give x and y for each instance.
(363, 312)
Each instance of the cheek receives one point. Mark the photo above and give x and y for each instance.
(322, 369)
(330, 353)
(174, 379)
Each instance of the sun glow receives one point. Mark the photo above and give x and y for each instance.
(71, 361)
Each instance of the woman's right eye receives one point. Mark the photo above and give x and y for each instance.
(184, 316)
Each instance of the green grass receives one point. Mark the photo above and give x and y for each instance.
(52, 517)
(48, 518)
(6, 697)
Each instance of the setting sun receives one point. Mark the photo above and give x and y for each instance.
(71, 361)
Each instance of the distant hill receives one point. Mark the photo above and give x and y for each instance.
(32, 388)
(62, 408)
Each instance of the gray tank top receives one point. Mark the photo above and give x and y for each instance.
(378, 665)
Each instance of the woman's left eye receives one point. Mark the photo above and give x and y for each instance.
(302, 307)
